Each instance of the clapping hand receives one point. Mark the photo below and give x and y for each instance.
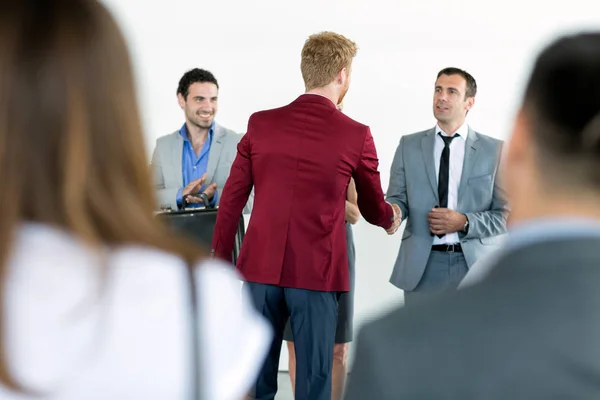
(209, 192)
(192, 190)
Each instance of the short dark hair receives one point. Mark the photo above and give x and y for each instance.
(194, 76)
(471, 84)
(562, 107)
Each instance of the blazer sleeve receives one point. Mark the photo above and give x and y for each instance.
(396, 193)
(234, 198)
(163, 195)
(216, 200)
(371, 202)
(491, 222)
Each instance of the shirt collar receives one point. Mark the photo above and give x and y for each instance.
(184, 132)
(317, 94)
(463, 131)
(548, 228)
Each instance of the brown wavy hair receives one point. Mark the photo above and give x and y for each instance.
(71, 144)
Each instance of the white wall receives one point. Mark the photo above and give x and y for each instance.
(253, 48)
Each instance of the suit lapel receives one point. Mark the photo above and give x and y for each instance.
(177, 156)
(216, 147)
(427, 144)
(470, 156)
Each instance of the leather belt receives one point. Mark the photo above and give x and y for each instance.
(448, 248)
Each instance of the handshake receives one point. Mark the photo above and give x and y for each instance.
(397, 219)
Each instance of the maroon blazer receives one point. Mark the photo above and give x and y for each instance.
(299, 158)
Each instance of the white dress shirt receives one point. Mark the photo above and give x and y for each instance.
(457, 157)
(84, 324)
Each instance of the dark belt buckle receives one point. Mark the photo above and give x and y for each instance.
(450, 248)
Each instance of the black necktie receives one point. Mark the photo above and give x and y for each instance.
(444, 174)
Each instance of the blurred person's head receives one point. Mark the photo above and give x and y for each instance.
(552, 165)
(198, 95)
(71, 143)
(326, 64)
(453, 97)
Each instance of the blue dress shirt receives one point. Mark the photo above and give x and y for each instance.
(192, 166)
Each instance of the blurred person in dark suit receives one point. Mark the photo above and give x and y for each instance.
(531, 328)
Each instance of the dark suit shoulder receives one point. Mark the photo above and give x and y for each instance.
(441, 340)
(511, 336)
(402, 351)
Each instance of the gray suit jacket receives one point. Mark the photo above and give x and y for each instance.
(413, 187)
(531, 330)
(167, 168)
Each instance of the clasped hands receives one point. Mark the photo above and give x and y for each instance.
(397, 219)
(444, 220)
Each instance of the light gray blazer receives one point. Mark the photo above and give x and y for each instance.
(167, 168)
(413, 187)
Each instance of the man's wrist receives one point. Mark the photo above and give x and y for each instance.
(465, 227)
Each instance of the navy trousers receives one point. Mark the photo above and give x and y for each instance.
(313, 319)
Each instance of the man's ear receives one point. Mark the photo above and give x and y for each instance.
(470, 103)
(180, 100)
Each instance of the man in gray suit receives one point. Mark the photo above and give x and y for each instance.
(445, 182)
(531, 328)
(192, 164)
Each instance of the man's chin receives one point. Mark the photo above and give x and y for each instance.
(204, 124)
(441, 118)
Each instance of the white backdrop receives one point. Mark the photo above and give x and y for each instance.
(253, 48)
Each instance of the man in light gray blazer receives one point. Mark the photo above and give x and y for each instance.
(445, 181)
(531, 329)
(192, 164)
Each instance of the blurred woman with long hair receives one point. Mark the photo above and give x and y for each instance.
(95, 300)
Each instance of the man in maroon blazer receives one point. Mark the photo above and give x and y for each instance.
(299, 158)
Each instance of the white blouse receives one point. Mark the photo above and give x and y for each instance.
(81, 325)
